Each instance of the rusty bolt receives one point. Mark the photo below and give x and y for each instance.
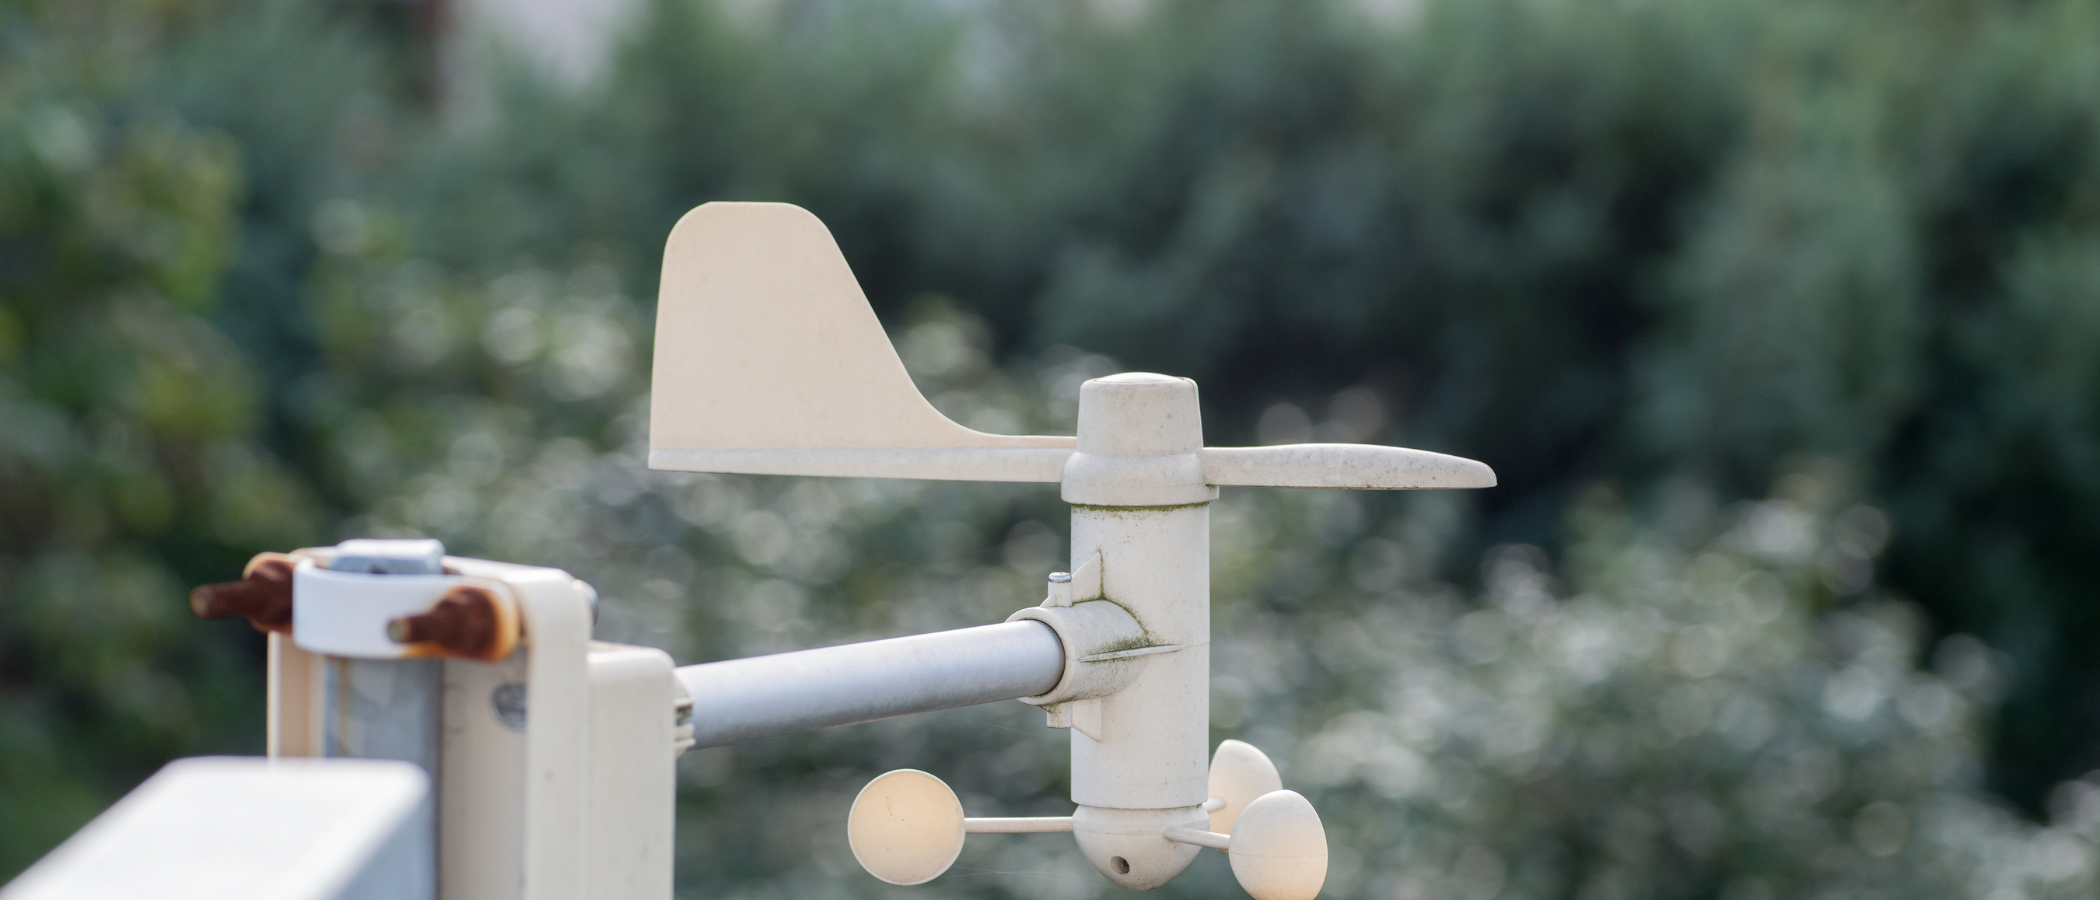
(466, 622)
(263, 597)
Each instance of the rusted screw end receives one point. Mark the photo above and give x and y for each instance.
(264, 597)
(221, 601)
(465, 621)
(204, 603)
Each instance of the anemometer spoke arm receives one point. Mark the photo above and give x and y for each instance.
(786, 693)
(1020, 825)
(1199, 837)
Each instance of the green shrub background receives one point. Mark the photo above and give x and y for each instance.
(1778, 321)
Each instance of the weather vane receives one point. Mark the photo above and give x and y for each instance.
(548, 758)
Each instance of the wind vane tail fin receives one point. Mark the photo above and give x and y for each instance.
(769, 360)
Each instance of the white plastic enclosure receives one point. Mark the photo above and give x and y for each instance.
(225, 828)
(556, 773)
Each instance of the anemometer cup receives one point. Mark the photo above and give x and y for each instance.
(1279, 849)
(906, 827)
(1239, 773)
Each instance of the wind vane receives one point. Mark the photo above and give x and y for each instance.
(475, 744)
(769, 360)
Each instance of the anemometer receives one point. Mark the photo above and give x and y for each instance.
(758, 296)
(550, 756)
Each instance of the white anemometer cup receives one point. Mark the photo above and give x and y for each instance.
(770, 361)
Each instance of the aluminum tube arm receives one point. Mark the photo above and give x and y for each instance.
(785, 693)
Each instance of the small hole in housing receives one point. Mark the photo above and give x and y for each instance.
(1121, 865)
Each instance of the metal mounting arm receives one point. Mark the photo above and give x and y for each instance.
(785, 693)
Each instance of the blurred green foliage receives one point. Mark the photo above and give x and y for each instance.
(1648, 260)
(129, 453)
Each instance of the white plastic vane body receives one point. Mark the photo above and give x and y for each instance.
(769, 360)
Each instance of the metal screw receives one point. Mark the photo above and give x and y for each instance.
(263, 597)
(508, 700)
(465, 621)
(1060, 578)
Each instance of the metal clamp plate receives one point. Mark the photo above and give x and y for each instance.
(346, 613)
